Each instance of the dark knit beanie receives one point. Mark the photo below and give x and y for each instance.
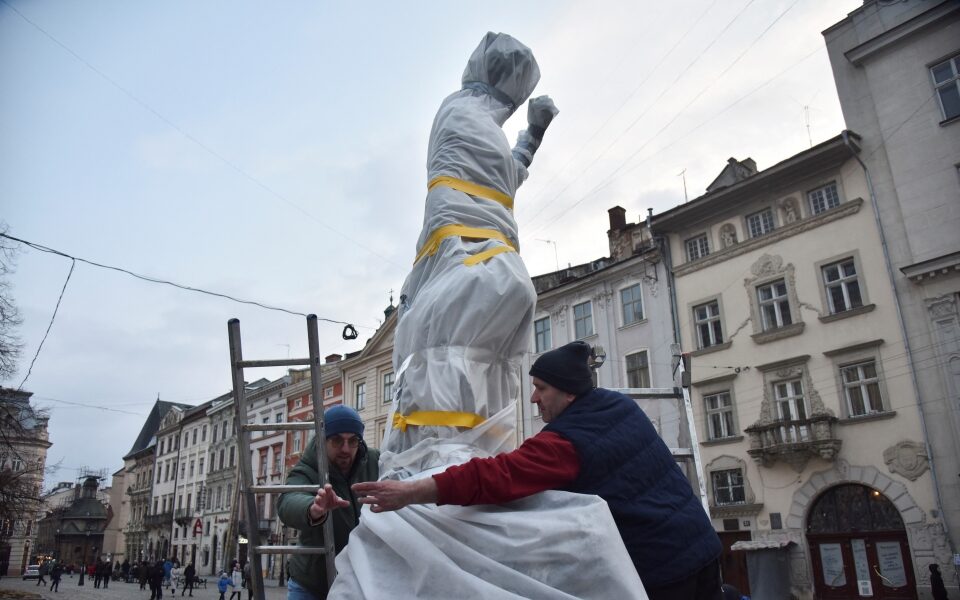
(342, 419)
(566, 368)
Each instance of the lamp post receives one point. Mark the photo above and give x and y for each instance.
(83, 563)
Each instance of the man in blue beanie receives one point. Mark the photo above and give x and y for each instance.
(595, 441)
(350, 462)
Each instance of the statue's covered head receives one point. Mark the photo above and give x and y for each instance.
(505, 66)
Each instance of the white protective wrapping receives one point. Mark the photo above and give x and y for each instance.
(459, 343)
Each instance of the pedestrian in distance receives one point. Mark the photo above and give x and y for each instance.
(97, 573)
(595, 441)
(175, 574)
(55, 578)
(167, 571)
(107, 573)
(157, 573)
(42, 571)
(143, 574)
(223, 583)
(236, 582)
(349, 461)
(189, 574)
(937, 588)
(248, 580)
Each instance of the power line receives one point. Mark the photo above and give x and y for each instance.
(155, 280)
(95, 406)
(238, 169)
(73, 263)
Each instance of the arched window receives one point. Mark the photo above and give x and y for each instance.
(853, 508)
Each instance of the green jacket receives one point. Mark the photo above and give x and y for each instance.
(310, 570)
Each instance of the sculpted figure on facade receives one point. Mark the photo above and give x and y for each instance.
(728, 235)
(790, 212)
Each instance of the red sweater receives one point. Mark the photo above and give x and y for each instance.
(546, 461)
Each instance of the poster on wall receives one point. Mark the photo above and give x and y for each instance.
(832, 560)
(864, 585)
(891, 564)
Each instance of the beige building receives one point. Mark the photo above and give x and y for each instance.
(897, 71)
(368, 379)
(114, 541)
(23, 459)
(811, 434)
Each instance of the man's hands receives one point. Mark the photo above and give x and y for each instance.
(325, 501)
(392, 495)
(541, 111)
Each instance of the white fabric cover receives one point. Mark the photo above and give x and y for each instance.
(460, 339)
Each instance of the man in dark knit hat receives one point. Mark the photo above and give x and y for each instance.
(595, 441)
(350, 462)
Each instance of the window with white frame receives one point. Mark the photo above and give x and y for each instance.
(328, 392)
(541, 335)
(631, 301)
(861, 388)
(823, 198)
(297, 403)
(720, 422)
(728, 487)
(774, 305)
(946, 78)
(360, 395)
(707, 322)
(842, 286)
(638, 370)
(697, 247)
(760, 223)
(296, 442)
(791, 406)
(388, 380)
(583, 320)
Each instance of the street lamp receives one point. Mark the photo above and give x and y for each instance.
(83, 563)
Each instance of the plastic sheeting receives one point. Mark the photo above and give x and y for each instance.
(460, 339)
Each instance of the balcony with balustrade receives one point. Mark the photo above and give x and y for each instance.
(794, 442)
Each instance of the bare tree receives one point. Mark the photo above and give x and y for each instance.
(10, 345)
(23, 444)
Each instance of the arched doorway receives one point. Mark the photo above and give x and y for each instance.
(858, 546)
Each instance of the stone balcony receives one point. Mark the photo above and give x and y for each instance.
(794, 442)
(158, 520)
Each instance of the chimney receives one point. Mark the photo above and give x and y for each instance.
(618, 218)
(332, 358)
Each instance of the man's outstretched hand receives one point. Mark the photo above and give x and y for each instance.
(388, 495)
(325, 501)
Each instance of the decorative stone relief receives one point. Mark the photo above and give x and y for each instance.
(559, 314)
(942, 307)
(602, 299)
(790, 212)
(653, 285)
(908, 459)
(769, 268)
(728, 235)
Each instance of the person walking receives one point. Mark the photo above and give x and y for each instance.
(936, 583)
(175, 574)
(223, 583)
(157, 574)
(97, 573)
(42, 571)
(236, 582)
(55, 578)
(248, 580)
(143, 574)
(107, 573)
(189, 574)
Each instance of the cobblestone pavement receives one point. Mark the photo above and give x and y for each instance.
(69, 590)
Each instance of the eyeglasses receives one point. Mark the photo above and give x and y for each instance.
(338, 441)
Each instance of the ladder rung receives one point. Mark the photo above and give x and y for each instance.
(302, 426)
(279, 489)
(681, 452)
(289, 549)
(282, 362)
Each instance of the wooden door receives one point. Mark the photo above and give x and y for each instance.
(733, 565)
(863, 565)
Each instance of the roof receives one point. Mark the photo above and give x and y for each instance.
(761, 545)
(150, 426)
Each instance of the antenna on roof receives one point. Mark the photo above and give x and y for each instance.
(683, 174)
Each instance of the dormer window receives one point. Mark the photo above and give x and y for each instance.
(823, 198)
(760, 223)
(697, 247)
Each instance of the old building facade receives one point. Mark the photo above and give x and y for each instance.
(368, 379)
(810, 430)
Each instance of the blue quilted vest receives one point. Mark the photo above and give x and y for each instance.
(624, 461)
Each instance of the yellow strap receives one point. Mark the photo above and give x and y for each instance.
(432, 244)
(436, 418)
(482, 256)
(474, 189)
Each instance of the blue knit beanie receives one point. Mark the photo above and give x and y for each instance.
(566, 368)
(342, 419)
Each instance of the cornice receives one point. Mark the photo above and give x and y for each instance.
(846, 209)
(907, 29)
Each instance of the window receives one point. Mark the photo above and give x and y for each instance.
(183, 470)
(388, 379)
(360, 395)
(328, 392)
(278, 418)
(774, 305)
(200, 467)
(720, 422)
(161, 447)
(842, 286)
(229, 497)
(215, 429)
(276, 459)
(232, 456)
(298, 403)
(728, 487)
(191, 468)
(824, 198)
(16, 464)
(219, 497)
(263, 462)
(697, 247)
(541, 332)
(638, 370)
(583, 320)
(861, 387)
(221, 457)
(296, 442)
(946, 78)
(223, 430)
(791, 407)
(189, 501)
(760, 223)
(203, 434)
(194, 441)
(707, 322)
(159, 472)
(631, 299)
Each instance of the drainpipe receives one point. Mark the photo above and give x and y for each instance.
(903, 329)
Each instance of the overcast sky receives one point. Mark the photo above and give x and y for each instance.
(276, 152)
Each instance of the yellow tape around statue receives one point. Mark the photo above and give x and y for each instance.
(436, 418)
(439, 234)
(474, 189)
